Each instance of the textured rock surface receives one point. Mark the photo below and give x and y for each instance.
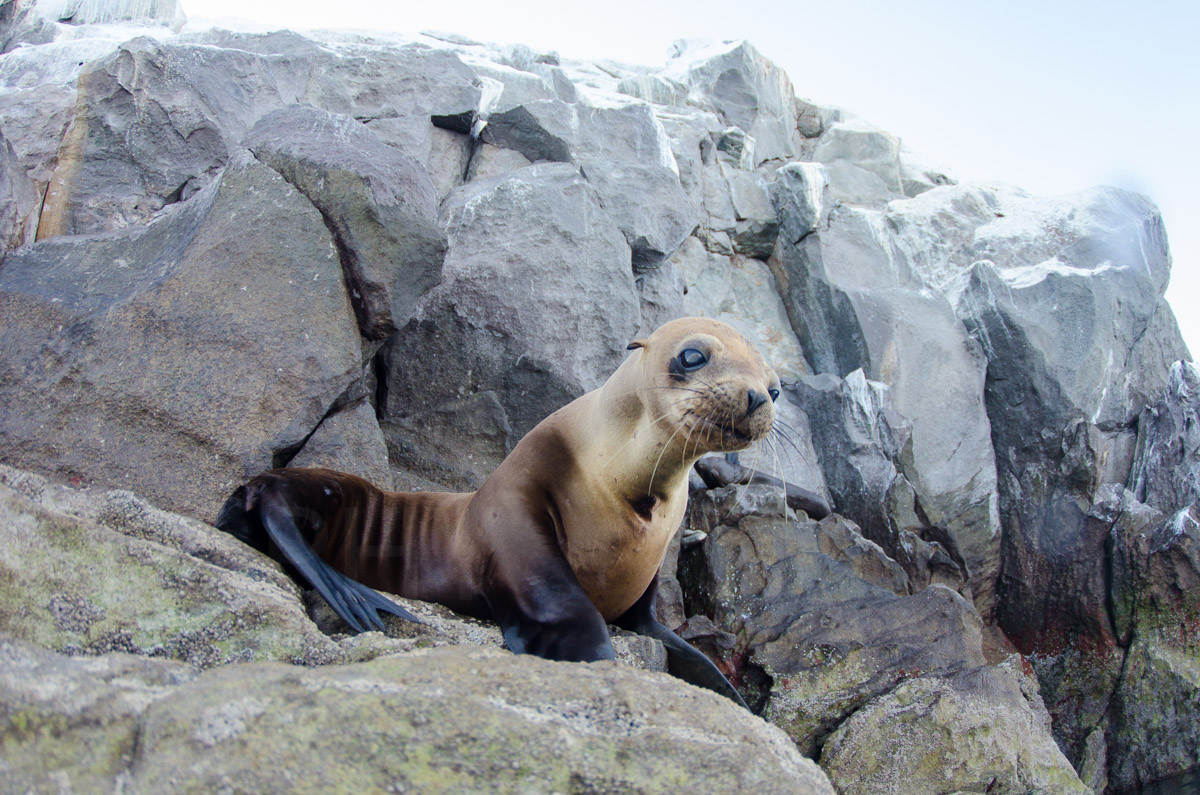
(1000, 740)
(528, 253)
(121, 372)
(380, 205)
(461, 721)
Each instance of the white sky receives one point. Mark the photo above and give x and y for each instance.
(1050, 95)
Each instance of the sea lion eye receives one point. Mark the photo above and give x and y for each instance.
(692, 359)
(774, 393)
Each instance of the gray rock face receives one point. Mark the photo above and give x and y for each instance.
(804, 617)
(747, 91)
(648, 205)
(550, 129)
(536, 237)
(349, 441)
(1166, 466)
(18, 201)
(120, 371)
(163, 118)
(1063, 422)
(92, 574)
(865, 159)
(379, 203)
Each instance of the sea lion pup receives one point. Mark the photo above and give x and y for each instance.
(565, 536)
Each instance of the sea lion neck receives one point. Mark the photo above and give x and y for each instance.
(641, 452)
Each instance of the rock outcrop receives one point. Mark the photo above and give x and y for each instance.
(225, 251)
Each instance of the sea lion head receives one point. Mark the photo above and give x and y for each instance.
(708, 385)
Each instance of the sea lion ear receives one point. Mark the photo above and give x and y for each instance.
(635, 344)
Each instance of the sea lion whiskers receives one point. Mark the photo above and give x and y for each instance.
(654, 471)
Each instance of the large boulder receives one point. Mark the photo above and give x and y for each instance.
(747, 90)
(99, 574)
(983, 730)
(178, 357)
(648, 205)
(18, 201)
(537, 301)
(814, 638)
(550, 129)
(440, 720)
(95, 572)
(157, 120)
(379, 203)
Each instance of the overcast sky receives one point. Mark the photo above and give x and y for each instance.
(1052, 96)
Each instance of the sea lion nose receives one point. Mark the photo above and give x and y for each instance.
(754, 400)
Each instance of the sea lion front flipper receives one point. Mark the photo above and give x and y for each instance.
(683, 659)
(540, 606)
(354, 602)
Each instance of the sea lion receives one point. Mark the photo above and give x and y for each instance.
(565, 536)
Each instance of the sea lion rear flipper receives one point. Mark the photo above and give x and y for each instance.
(683, 659)
(354, 602)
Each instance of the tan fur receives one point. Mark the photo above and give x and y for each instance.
(605, 478)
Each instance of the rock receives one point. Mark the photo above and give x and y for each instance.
(757, 225)
(154, 125)
(1153, 734)
(917, 176)
(380, 205)
(817, 639)
(1151, 726)
(740, 292)
(158, 119)
(648, 205)
(551, 129)
(73, 722)
(655, 89)
(718, 471)
(121, 372)
(747, 90)
(735, 148)
(661, 293)
(859, 441)
(433, 720)
(841, 540)
(18, 201)
(854, 151)
(348, 441)
(432, 443)
(91, 574)
(972, 732)
(1166, 466)
(800, 200)
(1062, 420)
(80, 12)
(1081, 299)
(536, 237)
(505, 87)
(38, 96)
(530, 130)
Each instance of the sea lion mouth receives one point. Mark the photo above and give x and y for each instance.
(716, 435)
